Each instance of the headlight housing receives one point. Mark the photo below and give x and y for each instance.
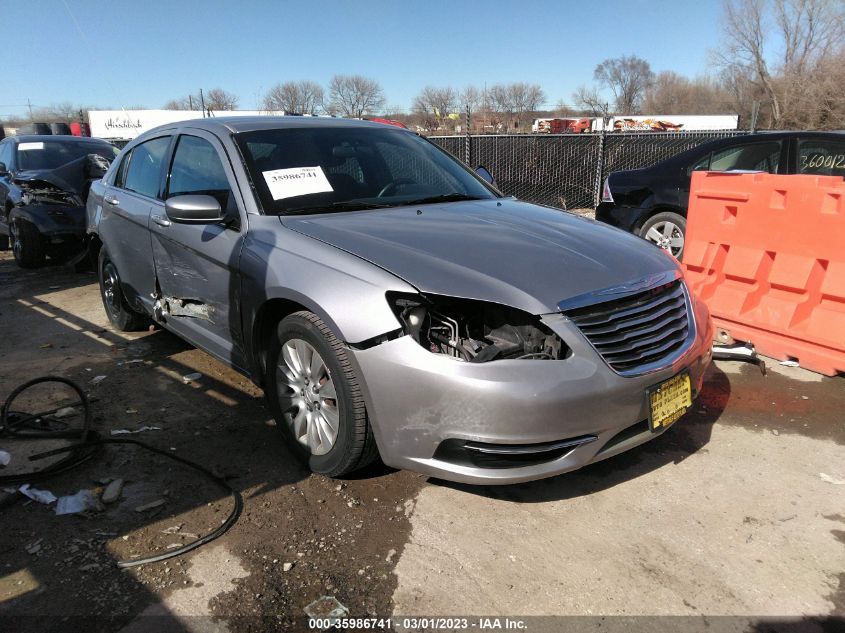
(475, 331)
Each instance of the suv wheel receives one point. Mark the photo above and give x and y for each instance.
(121, 315)
(27, 244)
(4, 242)
(667, 231)
(315, 397)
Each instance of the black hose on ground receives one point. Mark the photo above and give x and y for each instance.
(33, 426)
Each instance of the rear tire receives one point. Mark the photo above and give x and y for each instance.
(27, 244)
(121, 315)
(666, 230)
(306, 398)
(4, 243)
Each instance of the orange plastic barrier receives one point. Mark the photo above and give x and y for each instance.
(767, 255)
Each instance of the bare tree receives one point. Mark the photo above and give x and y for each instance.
(184, 103)
(214, 99)
(671, 93)
(589, 100)
(219, 99)
(354, 96)
(302, 97)
(472, 97)
(781, 47)
(628, 78)
(435, 106)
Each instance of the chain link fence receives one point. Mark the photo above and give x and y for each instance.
(567, 170)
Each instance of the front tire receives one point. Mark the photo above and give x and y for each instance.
(667, 230)
(27, 244)
(315, 397)
(121, 315)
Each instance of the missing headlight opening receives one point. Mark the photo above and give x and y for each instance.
(475, 331)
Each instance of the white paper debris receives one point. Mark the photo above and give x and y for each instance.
(789, 363)
(133, 431)
(5, 458)
(297, 181)
(831, 480)
(79, 502)
(41, 496)
(96, 380)
(191, 377)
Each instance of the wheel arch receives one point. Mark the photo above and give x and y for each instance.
(263, 325)
(658, 208)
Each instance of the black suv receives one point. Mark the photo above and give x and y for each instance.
(44, 182)
(652, 202)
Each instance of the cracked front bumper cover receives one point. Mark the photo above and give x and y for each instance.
(419, 402)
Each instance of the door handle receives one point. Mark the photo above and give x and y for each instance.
(111, 200)
(161, 220)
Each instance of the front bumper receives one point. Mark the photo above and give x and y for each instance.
(418, 401)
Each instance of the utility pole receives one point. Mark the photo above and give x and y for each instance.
(467, 141)
(190, 102)
(202, 103)
(755, 112)
(29, 105)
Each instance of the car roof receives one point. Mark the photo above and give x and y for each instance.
(29, 138)
(237, 124)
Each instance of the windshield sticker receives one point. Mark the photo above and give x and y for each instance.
(25, 146)
(297, 181)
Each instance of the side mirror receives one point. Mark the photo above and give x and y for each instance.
(193, 209)
(485, 175)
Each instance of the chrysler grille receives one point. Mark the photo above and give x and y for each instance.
(638, 330)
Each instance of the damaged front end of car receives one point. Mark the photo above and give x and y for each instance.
(475, 331)
(52, 202)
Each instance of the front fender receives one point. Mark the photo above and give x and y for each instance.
(345, 291)
(52, 219)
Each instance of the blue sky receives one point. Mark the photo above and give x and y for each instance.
(145, 52)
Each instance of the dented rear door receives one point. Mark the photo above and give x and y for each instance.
(197, 264)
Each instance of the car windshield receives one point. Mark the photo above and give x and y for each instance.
(326, 169)
(53, 154)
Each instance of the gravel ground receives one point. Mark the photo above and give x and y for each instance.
(737, 510)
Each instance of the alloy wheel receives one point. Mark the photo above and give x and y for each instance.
(17, 244)
(668, 236)
(307, 396)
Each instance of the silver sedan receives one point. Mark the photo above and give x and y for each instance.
(392, 302)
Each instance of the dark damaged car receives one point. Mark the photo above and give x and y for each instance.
(391, 302)
(44, 183)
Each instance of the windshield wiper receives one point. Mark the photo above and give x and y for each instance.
(446, 197)
(346, 205)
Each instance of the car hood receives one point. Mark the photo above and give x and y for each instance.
(503, 251)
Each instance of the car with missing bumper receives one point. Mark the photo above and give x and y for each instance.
(44, 181)
(392, 302)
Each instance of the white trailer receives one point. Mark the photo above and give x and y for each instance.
(124, 125)
(669, 123)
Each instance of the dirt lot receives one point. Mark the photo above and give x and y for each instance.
(740, 509)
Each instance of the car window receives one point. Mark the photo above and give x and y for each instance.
(821, 156)
(753, 156)
(702, 164)
(197, 169)
(6, 154)
(403, 166)
(120, 176)
(143, 175)
(51, 154)
(339, 168)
